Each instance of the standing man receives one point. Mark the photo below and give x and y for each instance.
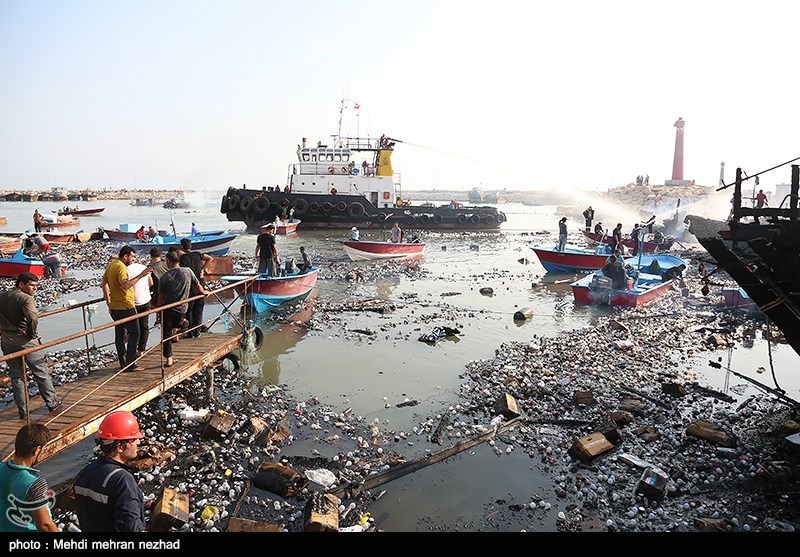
(562, 234)
(761, 199)
(19, 322)
(118, 292)
(197, 262)
(26, 497)
(616, 237)
(305, 265)
(397, 233)
(159, 268)
(107, 497)
(141, 299)
(177, 284)
(37, 220)
(588, 214)
(364, 167)
(151, 234)
(267, 252)
(354, 234)
(636, 236)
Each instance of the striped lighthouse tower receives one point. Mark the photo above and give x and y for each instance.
(677, 159)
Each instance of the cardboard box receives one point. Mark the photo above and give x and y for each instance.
(588, 447)
(652, 483)
(237, 524)
(171, 509)
(322, 513)
(219, 424)
(507, 406)
(583, 397)
(710, 432)
(280, 480)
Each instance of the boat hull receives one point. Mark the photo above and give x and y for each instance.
(569, 260)
(212, 245)
(369, 251)
(267, 293)
(345, 211)
(82, 212)
(649, 247)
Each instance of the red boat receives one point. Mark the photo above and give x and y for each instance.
(81, 212)
(59, 222)
(283, 227)
(118, 235)
(649, 247)
(571, 260)
(267, 293)
(21, 263)
(365, 251)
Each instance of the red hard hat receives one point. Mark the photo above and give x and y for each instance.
(119, 426)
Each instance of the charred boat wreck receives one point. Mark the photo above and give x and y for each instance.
(329, 188)
(760, 250)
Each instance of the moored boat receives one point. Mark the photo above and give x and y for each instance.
(572, 259)
(81, 212)
(351, 183)
(283, 227)
(359, 250)
(53, 221)
(218, 244)
(644, 285)
(267, 293)
(20, 262)
(648, 246)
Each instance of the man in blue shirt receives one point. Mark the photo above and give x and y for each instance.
(195, 232)
(25, 496)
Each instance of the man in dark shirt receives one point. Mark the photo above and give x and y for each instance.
(177, 284)
(197, 262)
(598, 228)
(159, 267)
(19, 321)
(267, 252)
(616, 237)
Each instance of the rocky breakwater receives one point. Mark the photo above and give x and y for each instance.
(658, 199)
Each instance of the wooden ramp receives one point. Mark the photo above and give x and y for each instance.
(86, 401)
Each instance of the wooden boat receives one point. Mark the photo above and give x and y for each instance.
(10, 244)
(283, 227)
(81, 212)
(59, 222)
(59, 238)
(644, 288)
(359, 250)
(649, 246)
(572, 259)
(19, 262)
(737, 298)
(217, 244)
(118, 235)
(267, 293)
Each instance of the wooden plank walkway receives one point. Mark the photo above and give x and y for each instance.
(86, 401)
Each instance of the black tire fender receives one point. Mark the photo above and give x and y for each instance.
(233, 202)
(424, 219)
(341, 206)
(462, 218)
(223, 208)
(300, 206)
(234, 360)
(261, 205)
(411, 219)
(355, 210)
(327, 206)
(475, 219)
(284, 203)
(438, 219)
(314, 207)
(246, 204)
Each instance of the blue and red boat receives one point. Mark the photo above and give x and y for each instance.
(266, 293)
(572, 259)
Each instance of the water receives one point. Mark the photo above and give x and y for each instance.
(345, 369)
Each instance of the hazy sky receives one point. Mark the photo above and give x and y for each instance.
(517, 94)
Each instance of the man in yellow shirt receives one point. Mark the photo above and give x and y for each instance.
(118, 292)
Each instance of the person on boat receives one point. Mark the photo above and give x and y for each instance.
(598, 228)
(52, 264)
(674, 273)
(107, 497)
(658, 237)
(177, 284)
(118, 292)
(22, 488)
(267, 252)
(562, 234)
(41, 247)
(334, 191)
(588, 214)
(197, 262)
(364, 167)
(140, 234)
(284, 214)
(761, 200)
(397, 233)
(37, 220)
(619, 279)
(151, 234)
(650, 224)
(616, 236)
(636, 236)
(19, 322)
(194, 230)
(354, 234)
(305, 265)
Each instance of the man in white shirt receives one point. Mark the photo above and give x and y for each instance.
(141, 298)
(354, 234)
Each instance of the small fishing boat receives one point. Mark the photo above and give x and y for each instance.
(20, 262)
(572, 259)
(54, 221)
(82, 212)
(217, 244)
(283, 227)
(267, 293)
(644, 282)
(359, 250)
(649, 246)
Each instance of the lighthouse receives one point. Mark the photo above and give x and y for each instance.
(677, 159)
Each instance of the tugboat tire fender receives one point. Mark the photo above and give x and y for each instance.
(246, 204)
(261, 205)
(223, 208)
(233, 202)
(462, 218)
(327, 206)
(437, 218)
(355, 210)
(475, 219)
(314, 207)
(424, 219)
(301, 206)
(341, 206)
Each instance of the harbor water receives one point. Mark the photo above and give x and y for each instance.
(371, 362)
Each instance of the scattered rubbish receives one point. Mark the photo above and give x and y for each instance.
(583, 397)
(652, 483)
(441, 428)
(486, 291)
(219, 424)
(322, 513)
(793, 438)
(353, 528)
(610, 431)
(474, 247)
(617, 325)
(192, 415)
(506, 406)
(523, 314)
(237, 524)
(407, 403)
(624, 344)
(151, 453)
(170, 510)
(209, 512)
(633, 460)
(710, 432)
(673, 389)
(646, 433)
(632, 405)
(321, 476)
(437, 333)
(703, 524)
(621, 417)
(590, 446)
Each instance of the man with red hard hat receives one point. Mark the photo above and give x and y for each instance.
(107, 497)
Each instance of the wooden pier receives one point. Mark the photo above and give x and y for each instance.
(86, 401)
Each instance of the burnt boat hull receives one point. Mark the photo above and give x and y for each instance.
(258, 207)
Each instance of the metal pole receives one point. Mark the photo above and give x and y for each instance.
(86, 339)
(27, 398)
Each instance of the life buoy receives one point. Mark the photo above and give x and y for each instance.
(300, 206)
(327, 206)
(490, 219)
(437, 218)
(475, 219)
(411, 219)
(331, 169)
(341, 206)
(355, 210)
(284, 203)
(462, 218)
(261, 205)
(224, 207)
(257, 336)
(246, 204)
(314, 207)
(233, 202)
(233, 359)
(501, 217)
(424, 219)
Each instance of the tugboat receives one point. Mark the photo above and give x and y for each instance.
(350, 183)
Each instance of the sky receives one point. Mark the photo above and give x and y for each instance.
(523, 95)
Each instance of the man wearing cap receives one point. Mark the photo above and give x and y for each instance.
(107, 497)
(354, 234)
(267, 252)
(598, 228)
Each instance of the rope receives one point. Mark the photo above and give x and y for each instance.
(769, 351)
